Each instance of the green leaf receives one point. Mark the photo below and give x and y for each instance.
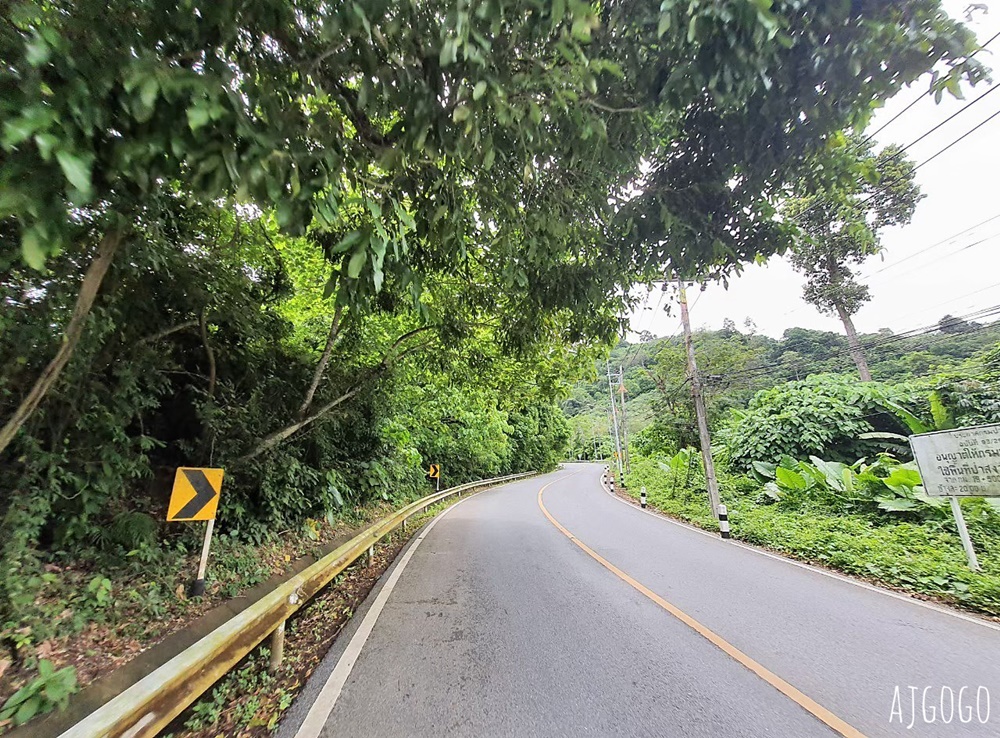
(357, 263)
(462, 112)
(148, 91)
(29, 708)
(664, 25)
(479, 90)
(33, 249)
(902, 480)
(939, 412)
(348, 241)
(879, 436)
(37, 52)
(915, 424)
(46, 144)
(17, 130)
(557, 11)
(896, 504)
(692, 33)
(77, 170)
(197, 116)
(789, 479)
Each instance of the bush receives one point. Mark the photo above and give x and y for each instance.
(823, 415)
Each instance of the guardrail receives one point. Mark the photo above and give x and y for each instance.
(150, 704)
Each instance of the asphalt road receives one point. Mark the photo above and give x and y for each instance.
(495, 622)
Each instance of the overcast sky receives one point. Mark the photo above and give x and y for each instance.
(910, 287)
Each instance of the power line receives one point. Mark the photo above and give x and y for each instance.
(635, 351)
(947, 240)
(924, 250)
(956, 299)
(961, 138)
(959, 250)
(925, 162)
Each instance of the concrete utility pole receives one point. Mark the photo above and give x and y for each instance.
(614, 424)
(621, 389)
(699, 405)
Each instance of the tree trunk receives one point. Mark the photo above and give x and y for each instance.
(209, 352)
(331, 340)
(89, 288)
(857, 352)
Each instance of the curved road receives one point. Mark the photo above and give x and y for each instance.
(569, 612)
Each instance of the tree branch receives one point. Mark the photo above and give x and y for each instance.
(403, 338)
(278, 436)
(331, 340)
(89, 288)
(388, 359)
(609, 109)
(208, 352)
(168, 331)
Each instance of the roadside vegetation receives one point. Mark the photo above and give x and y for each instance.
(820, 468)
(324, 245)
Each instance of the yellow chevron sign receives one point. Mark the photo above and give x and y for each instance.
(195, 495)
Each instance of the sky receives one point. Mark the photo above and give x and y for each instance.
(929, 267)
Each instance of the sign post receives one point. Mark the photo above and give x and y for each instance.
(963, 533)
(195, 496)
(960, 463)
(435, 473)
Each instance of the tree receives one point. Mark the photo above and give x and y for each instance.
(951, 324)
(409, 136)
(840, 227)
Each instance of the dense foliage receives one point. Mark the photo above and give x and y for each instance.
(198, 356)
(321, 244)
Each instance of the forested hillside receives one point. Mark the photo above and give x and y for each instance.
(736, 364)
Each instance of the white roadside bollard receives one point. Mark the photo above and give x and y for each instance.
(723, 521)
(642, 498)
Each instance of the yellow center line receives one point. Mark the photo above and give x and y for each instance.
(763, 672)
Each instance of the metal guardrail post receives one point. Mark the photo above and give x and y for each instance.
(277, 647)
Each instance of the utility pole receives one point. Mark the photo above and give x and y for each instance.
(614, 424)
(621, 389)
(699, 404)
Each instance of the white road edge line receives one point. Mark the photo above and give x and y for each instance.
(807, 567)
(326, 700)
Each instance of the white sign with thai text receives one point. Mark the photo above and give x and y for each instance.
(959, 463)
